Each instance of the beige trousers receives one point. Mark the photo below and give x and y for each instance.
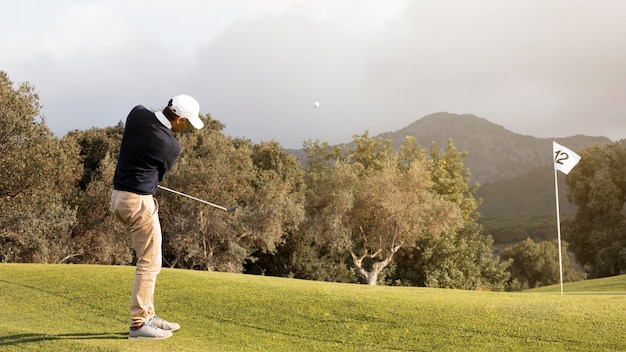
(139, 216)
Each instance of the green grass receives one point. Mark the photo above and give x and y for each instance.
(85, 308)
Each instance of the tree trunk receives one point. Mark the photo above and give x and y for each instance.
(68, 257)
(372, 277)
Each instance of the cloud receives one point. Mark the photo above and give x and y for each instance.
(544, 69)
(536, 69)
(261, 76)
(87, 60)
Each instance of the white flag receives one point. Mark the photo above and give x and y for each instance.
(564, 158)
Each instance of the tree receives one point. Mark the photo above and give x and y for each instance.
(96, 145)
(461, 258)
(36, 178)
(370, 202)
(536, 264)
(97, 237)
(214, 168)
(262, 179)
(597, 234)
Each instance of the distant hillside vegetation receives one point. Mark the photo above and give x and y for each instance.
(530, 194)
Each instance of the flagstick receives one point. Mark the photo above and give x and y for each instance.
(558, 226)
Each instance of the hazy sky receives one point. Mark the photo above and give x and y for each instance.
(543, 68)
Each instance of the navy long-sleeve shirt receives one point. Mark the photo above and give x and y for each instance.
(148, 151)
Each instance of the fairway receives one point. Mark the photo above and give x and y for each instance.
(85, 308)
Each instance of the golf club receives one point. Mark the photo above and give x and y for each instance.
(228, 210)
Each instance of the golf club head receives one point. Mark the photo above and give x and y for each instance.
(231, 209)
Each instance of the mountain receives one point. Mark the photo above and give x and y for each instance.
(495, 153)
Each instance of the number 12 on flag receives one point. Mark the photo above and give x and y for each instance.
(564, 158)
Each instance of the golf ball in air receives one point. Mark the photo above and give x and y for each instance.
(316, 105)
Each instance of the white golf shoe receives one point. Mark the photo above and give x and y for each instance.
(163, 324)
(148, 331)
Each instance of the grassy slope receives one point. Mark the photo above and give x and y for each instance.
(81, 307)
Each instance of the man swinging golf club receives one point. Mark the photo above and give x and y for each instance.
(148, 151)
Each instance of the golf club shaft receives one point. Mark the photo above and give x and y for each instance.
(194, 198)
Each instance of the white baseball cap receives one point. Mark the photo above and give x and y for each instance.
(187, 107)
